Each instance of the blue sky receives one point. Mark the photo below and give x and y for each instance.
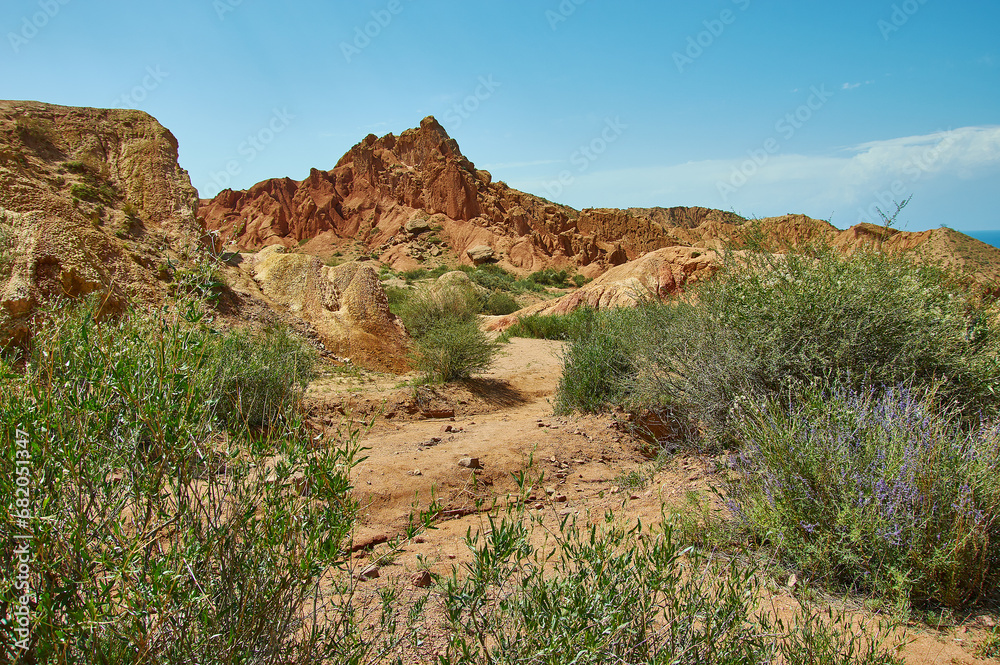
(823, 108)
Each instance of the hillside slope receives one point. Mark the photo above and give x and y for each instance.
(91, 201)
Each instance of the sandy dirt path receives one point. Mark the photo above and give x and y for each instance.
(504, 421)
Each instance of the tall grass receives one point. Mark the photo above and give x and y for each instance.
(553, 326)
(614, 593)
(598, 363)
(878, 491)
(164, 528)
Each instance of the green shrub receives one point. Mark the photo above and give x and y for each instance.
(500, 304)
(159, 533)
(607, 593)
(549, 277)
(492, 277)
(454, 349)
(414, 274)
(433, 303)
(774, 324)
(103, 194)
(203, 279)
(256, 377)
(423, 273)
(553, 326)
(599, 362)
(878, 491)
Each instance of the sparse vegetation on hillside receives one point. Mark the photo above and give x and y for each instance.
(165, 528)
(862, 392)
(102, 194)
(6, 245)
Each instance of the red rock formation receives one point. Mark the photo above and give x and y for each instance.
(415, 199)
(382, 184)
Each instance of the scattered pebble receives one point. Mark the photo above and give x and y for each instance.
(369, 573)
(422, 580)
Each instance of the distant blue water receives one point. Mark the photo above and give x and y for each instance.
(989, 237)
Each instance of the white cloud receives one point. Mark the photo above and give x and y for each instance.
(847, 180)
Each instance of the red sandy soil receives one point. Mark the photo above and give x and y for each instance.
(505, 419)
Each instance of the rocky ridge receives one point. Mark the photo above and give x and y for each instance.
(416, 198)
(92, 201)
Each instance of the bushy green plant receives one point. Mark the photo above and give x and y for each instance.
(492, 277)
(255, 377)
(773, 324)
(454, 349)
(429, 305)
(75, 167)
(160, 532)
(442, 319)
(878, 491)
(202, 279)
(598, 363)
(608, 593)
(549, 277)
(500, 304)
(553, 326)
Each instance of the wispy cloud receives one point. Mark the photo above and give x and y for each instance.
(846, 179)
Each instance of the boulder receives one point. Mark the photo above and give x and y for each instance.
(417, 225)
(480, 254)
(346, 305)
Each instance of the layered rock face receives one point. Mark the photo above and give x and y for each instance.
(91, 201)
(388, 193)
(346, 306)
(660, 273)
